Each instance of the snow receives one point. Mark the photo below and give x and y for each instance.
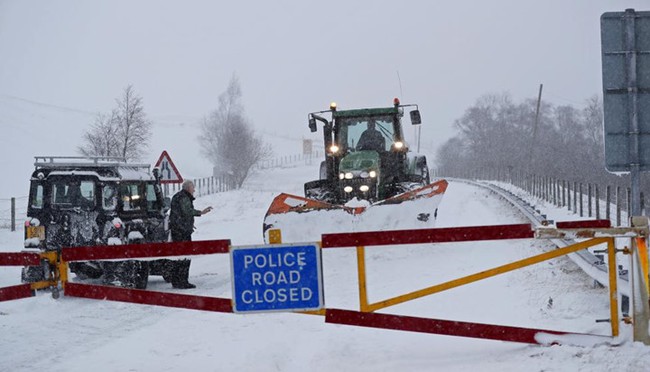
(114, 241)
(72, 334)
(32, 242)
(135, 235)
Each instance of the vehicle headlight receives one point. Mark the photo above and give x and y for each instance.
(372, 174)
(349, 176)
(334, 149)
(364, 174)
(341, 176)
(398, 145)
(347, 189)
(364, 188)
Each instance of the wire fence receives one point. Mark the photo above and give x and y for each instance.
(14, 209)
(584, 199)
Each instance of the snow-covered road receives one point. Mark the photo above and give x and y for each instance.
(71, 334)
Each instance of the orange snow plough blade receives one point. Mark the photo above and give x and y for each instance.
(300, 219)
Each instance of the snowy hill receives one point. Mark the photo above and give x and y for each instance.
(71, 334)
(32, 128)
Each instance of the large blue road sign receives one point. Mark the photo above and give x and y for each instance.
(276, 278)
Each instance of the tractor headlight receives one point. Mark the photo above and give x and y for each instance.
(334, 149)
(364, 188)
(398, 145)
(364, 174)
(372, 174)
(341, 176)
(347, 189)
(349, 176)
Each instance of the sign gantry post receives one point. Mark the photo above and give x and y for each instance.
(625, 40)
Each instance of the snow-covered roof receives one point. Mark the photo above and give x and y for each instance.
(104, 168)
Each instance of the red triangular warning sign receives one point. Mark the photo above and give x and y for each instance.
(168, 171)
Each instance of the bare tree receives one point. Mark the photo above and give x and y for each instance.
(228, 139)
(101, 139)
(124, 132)
(133, 127)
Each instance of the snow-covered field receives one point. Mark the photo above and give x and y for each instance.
(72, 334)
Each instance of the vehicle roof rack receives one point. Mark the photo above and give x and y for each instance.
(85, 162)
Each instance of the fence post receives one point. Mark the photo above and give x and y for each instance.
(597, 203)
(608, 199)
(575, 197)
(581, 214)
(642, 205)
(629, 205)
(13, 214)
(568, 195)
(618, 205)
(589, 200)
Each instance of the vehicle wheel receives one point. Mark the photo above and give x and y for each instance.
(86, 270)
(133, 274)
(32, 274)
(139, 275)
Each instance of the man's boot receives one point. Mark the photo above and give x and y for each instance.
(180, 275)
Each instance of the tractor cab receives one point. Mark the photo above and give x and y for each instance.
(366, 155)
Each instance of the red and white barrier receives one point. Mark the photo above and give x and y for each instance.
(138, 296)
(16, 292)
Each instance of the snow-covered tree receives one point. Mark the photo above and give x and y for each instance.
(228, 139)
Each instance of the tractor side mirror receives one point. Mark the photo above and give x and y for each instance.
(312, 124)
(415, 117)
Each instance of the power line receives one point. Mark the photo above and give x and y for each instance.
(43, 104)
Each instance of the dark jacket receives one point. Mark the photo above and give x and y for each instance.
(181, 215)
(371, 139)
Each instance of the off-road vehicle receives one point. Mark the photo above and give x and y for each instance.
(88, 201)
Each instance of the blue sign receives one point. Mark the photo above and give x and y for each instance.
(276, 278)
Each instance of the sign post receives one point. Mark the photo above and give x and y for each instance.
(269, 278)
(625, 40)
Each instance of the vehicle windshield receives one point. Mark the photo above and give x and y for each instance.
(73, 193)
(366, 133)
(132, 198)
(152, 201)
(109, 197)
(36, 199)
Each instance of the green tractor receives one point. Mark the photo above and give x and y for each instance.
(367, 164)
(367, 156)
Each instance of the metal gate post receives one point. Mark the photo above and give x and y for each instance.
(639, 283)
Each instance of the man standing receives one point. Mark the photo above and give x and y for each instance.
(371, 139)
(181, 224)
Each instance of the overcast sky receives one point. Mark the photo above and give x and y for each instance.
(294, 57)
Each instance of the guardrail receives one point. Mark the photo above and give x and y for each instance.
(596, 234)
(586, 199)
